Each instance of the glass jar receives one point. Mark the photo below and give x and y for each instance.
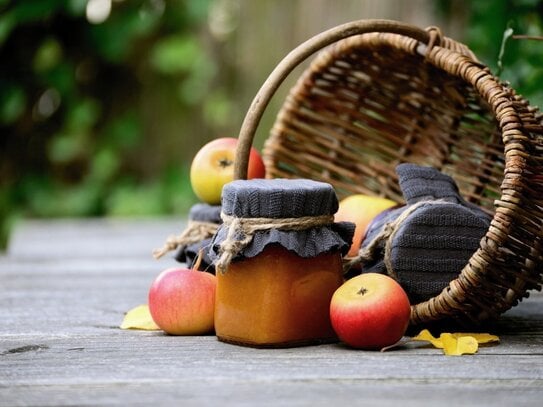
(275, 291)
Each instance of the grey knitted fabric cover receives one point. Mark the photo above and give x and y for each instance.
(284, 198)
(206, 213)
(187, 254)
(435, 241)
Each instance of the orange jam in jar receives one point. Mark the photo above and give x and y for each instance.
(283, 262)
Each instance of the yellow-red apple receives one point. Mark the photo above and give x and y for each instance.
(213, 166)
(360, 209)
(182, 301)
(370, 311)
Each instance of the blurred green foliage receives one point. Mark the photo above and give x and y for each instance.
(88, 110)
(76, 98)
(522, 59)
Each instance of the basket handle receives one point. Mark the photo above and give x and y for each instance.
(297, 56)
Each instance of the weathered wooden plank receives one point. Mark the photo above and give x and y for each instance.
(118, 355)
(102, 237)
(287, 392)
(44, 297)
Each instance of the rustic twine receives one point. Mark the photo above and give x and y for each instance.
(387, 234)
(241, 232)
(195, 232)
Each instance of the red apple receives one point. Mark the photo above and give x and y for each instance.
(370, 311)
(213, 166)
(360, 209)
(182, 301)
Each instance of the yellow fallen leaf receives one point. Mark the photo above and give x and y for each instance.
(481, 338)
(460, 345)
(139, 318)
(457, 343)
(426, 336)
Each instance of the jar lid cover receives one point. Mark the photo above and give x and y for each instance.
(203, 212)
(278, 198)
(283, 198)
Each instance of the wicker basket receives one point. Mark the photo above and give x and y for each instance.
(381, 93)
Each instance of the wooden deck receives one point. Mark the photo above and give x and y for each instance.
(64, 286)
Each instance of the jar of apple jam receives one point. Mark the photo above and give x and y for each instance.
(278, 257)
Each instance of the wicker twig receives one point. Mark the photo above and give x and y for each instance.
(527, 37)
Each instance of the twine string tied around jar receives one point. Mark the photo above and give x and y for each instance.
(242, 230)
(195, 232)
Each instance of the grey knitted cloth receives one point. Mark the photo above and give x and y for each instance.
(187, 254)
(284, 198)
(434, 242)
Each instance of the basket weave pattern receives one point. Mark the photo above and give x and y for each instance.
(376, 99)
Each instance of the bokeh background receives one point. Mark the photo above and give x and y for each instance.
(103, 103)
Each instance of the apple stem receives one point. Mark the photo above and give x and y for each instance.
(362, 291)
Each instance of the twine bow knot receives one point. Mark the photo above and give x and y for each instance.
(242, 230)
